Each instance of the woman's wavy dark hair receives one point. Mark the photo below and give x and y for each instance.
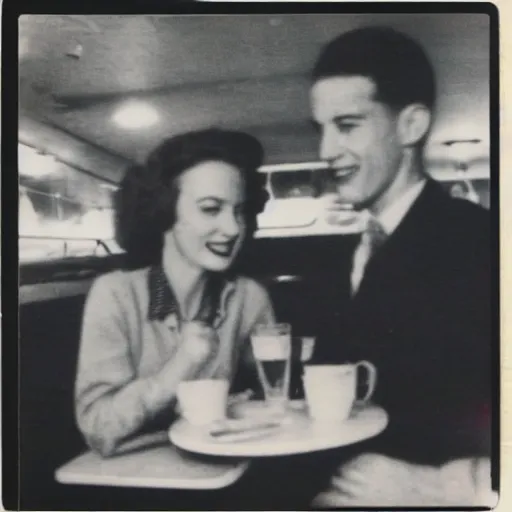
(145, 203)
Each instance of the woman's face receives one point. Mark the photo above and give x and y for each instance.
(210, 225)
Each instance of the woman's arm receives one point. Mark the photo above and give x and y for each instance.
(111, 402)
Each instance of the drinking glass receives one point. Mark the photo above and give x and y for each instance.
(271, 345)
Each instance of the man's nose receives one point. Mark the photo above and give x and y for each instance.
(330, 146)
(229, 224)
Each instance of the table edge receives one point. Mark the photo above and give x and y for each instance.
(218, 482)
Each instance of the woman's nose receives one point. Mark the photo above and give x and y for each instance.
(229, 224)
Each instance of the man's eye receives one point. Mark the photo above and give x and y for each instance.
(345, 127)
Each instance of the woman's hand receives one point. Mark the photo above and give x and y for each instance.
(198, 349)
(199, 342)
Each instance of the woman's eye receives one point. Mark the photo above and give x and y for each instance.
(210, 210)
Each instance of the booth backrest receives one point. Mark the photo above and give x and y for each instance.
(49, 334)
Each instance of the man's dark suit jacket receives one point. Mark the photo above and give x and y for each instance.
(422, 315)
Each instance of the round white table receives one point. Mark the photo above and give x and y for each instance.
(299, 434)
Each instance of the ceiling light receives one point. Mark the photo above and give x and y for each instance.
(135, 115)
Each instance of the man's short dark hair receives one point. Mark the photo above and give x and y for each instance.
(396, 63)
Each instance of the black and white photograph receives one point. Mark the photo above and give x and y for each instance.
(258, 263)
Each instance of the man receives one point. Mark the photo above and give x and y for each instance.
(414, 297)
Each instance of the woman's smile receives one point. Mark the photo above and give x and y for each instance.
(210, 225)
(222, 249)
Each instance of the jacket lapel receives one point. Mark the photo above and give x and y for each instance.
(408, 249)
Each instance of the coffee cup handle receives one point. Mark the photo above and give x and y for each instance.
(372, 380)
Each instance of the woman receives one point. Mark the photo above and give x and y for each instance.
(184, 314)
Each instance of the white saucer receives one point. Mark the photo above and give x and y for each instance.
(259, 410)
(298, 433)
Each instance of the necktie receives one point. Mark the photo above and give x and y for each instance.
(371, 239)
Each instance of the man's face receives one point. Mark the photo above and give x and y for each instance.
(359, 138)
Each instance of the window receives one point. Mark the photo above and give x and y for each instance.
(298, 203)
(477, 191)
(288, 185)
(299, 194)
(63, 212)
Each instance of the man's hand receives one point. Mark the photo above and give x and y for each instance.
(377, 480)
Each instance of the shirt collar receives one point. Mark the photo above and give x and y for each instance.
(163, 302)
(391, 216)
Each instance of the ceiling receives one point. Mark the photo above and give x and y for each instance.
(247, 72)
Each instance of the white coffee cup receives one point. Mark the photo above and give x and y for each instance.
(203, 401)
(331, 389)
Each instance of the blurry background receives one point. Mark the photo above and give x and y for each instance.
(98, 92)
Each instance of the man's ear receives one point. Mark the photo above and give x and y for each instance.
(413, 124)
